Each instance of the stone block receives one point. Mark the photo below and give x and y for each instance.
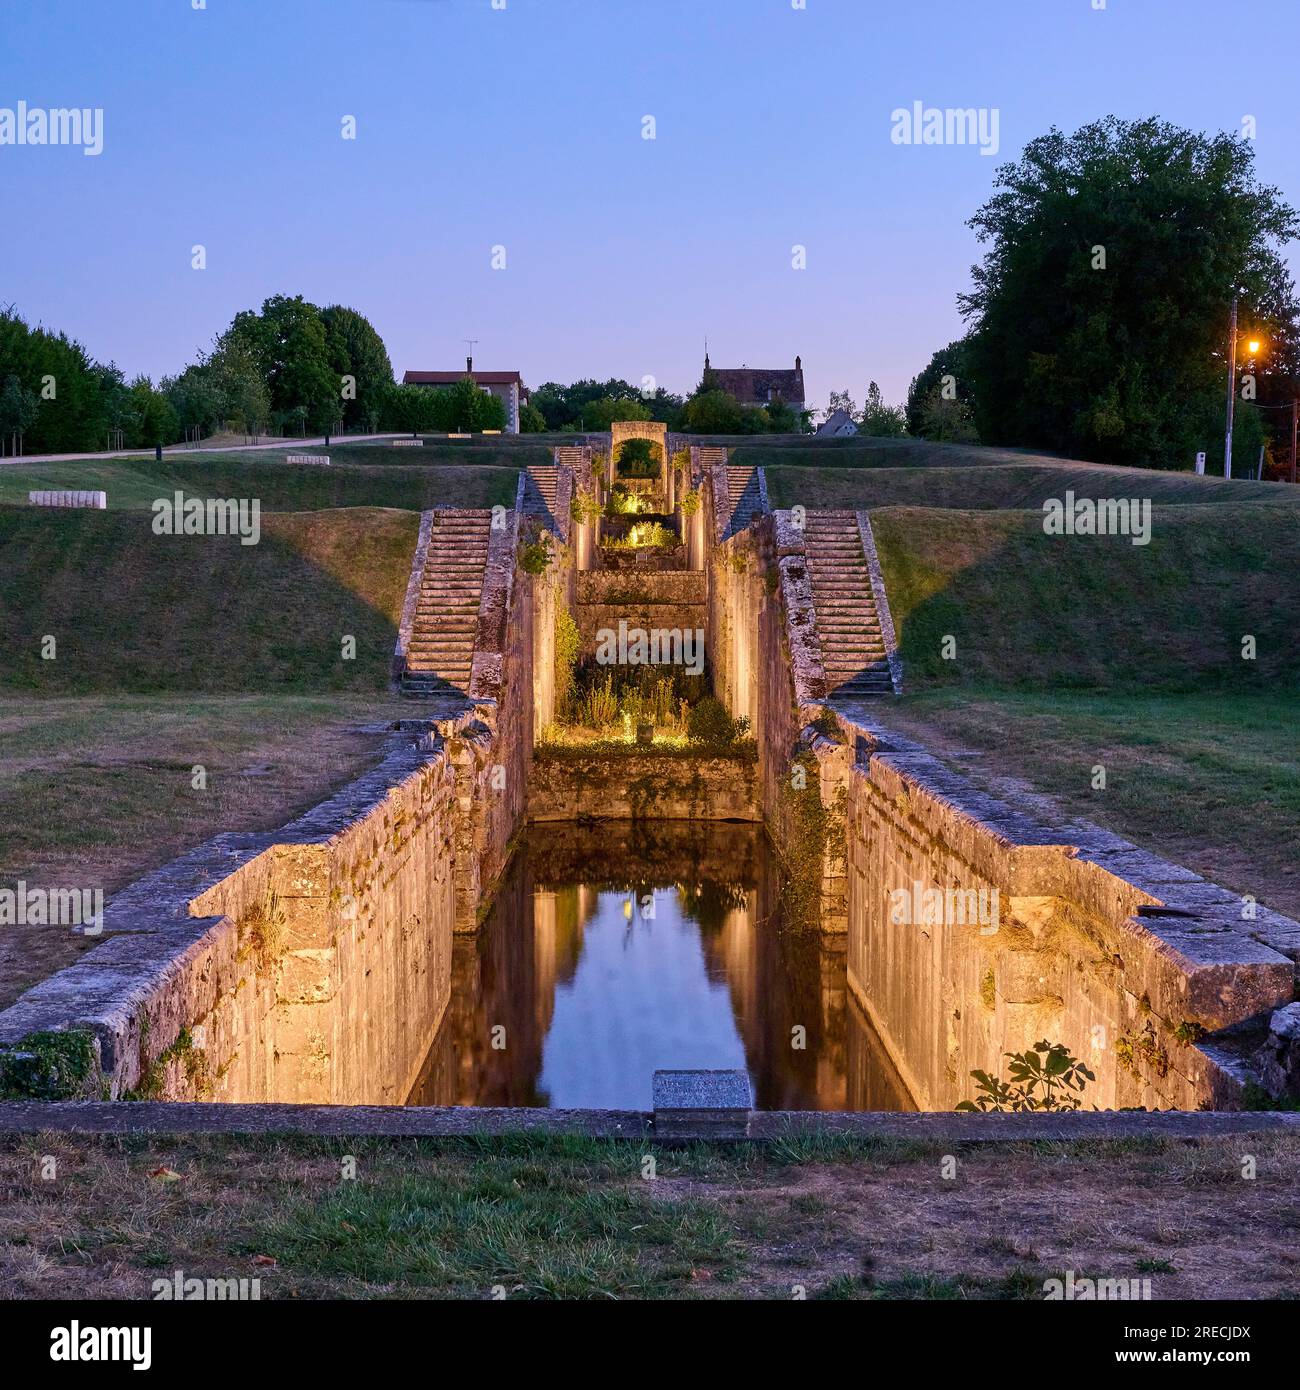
(699, 1104)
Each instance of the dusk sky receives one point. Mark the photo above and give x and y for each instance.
(522, 128)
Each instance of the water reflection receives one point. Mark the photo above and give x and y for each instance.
(612, 951)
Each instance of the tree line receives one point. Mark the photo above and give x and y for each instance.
(289, 367)
(590, 405)
(1098, 320)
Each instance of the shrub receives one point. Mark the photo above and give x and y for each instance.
(1060, 1076)
(639, 458)
(711, 724)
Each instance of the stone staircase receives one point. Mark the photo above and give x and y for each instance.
(440, 654)
(704, 456)
(541, 482)
(745, 497)
(575, 456)
(848, 627)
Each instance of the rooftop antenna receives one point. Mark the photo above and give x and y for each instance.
(469, 356)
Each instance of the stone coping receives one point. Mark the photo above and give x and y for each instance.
(449, 1122)
(1137, 880)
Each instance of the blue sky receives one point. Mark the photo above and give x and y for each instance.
(522, 127)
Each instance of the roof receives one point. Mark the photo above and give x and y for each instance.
(836, 422)
(754, 383)
(451, 378)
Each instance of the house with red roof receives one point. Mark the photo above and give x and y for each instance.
(508, 387)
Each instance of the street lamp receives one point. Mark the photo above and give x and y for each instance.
(1253, 346)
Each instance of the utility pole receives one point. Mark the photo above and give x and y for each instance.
(1232, 389)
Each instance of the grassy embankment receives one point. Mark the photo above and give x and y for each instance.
(358, 476)
(171, 653)
(574, 1218)
(1072, 653)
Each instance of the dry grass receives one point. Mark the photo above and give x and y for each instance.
(1208, 782)
(95, 792)
(574, 1218)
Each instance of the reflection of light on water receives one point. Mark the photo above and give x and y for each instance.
(661, 965)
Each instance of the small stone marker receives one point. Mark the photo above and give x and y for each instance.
(98, 500)
(307, 458)
(408, 443)
(702, 1104)
(459, 436)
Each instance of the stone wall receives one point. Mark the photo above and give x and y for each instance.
(308, 965)
(314, 963)
(640, 785)
(1128, 960)
(674, 599)
(1154, 977)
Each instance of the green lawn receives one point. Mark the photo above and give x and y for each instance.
(1002, 486)
(133, 611)
(552, 1218)
(986, 598)
(1208, 781)
(392, 479)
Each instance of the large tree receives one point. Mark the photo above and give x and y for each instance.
(287, 341)
(356, 350)
(1100, 312)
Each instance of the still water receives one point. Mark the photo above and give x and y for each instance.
(616, 950)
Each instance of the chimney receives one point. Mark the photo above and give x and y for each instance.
(469, 366)
(798, 363)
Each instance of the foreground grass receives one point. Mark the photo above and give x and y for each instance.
(575, 1218)
(95, 792)
(128, 610)
(1209, 782)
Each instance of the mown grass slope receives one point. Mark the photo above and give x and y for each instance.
(1028, 610)
(1004, 486)
(129, 610)
(388, 482)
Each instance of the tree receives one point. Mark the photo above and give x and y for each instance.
(150, 419)
(18, 409)
(1100, 311)
(947, 374)
(881, 420)
(713, 412)
(356, 350)
(781, 418)
(841, 400)
(947, 420)
(531, 420)
(287, 341)
(245, 399)
(600, 414)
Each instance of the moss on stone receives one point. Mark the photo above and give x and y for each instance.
(50, 1066)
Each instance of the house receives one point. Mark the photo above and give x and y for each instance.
(837, 425)
(758, 386)
(508, 387)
